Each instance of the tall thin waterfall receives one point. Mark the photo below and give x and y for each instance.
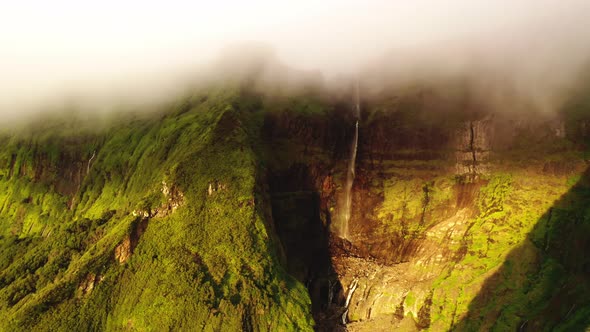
(351, 168)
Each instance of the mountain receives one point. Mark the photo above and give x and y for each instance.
(220, 213)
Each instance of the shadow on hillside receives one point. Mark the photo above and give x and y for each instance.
(544, 284)
(304, 235)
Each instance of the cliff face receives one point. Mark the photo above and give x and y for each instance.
(439, 222)
(441, 201)
(217, 214)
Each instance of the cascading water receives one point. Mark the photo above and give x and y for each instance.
(351, 170)
(351, 290)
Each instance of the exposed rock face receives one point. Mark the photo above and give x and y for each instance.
(70, 167)
(58, 162)
(474, 143)
(428, 204)
(174, 199)
(88, 284)
(311, 131)
(559, 168)
(215, 187)
(400, 271)
(401, 289)
(123, 250)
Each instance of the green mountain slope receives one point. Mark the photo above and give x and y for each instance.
(155, 224)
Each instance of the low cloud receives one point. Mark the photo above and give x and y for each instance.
(62, 54)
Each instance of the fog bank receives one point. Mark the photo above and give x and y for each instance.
(98, 56)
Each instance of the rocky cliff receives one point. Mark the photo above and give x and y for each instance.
(443, 201)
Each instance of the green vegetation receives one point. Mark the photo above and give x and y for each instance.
(163, 229)
(543, 277)
(505, 270)
(409, 203)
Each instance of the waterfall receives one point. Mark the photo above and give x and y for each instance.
(90, 161)
(351, 289)
(351, 169)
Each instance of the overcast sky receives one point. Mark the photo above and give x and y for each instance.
(51, 49)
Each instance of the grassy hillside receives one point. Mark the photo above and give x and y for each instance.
(152, 224)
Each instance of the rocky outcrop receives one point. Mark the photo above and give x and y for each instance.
(88, 284)
(174, 199)
(473, 146)
(215, 187)
(123, 250)
(402, 289)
